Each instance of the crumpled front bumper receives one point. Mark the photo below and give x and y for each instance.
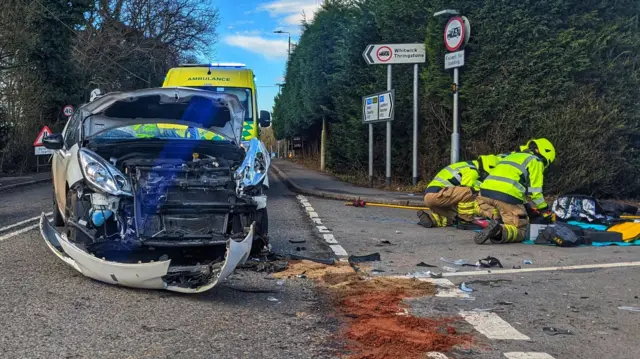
(142, 275)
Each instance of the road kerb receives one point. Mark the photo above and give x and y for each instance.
(340, 196)
(23, 184)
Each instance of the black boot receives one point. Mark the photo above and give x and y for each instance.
(493, 230)
(425, 219)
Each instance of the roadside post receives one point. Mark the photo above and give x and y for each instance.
(39, 148)
(456, 35)
(379, 107)
(389, 54)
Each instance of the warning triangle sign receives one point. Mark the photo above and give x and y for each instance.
(46, 131)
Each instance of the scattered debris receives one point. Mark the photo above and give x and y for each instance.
(423, 264)
(383, 243)
(272, 299)
(517, 267)
(490, 262)
(252, 290)
(329, 261)
(312, 270)
(297, 241)
(457, 262)
(486, 310)
(376, 271)
(584, 297)
(464, 288)
(449, 269)
(301, 249)
(267, 266)
(374, 257)
(427, 274)
(528, 261)
(280, 282)
(504, 302)
(556, 331)
(632, 309)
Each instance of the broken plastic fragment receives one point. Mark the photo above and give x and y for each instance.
(556, 331)
(464, 288)
(449, 269)
(633, 309)
(374, 257)
(280, 282)
(457, 262)
(423, 264)
(528, 261)
(272, 299)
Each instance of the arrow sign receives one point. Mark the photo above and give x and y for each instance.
(388, 54)
(378, 107)
(46, 131)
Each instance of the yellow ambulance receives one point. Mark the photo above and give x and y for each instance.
(229, 78)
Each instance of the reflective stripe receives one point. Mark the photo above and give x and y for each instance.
(534, 189)
(508, 180)
(455, 173)
(522, 167)
(443, 181)
(538, 201)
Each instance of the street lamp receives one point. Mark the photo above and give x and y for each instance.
(288, 33)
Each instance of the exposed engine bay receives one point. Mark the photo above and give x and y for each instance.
(185, 205)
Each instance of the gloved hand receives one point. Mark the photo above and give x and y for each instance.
(548, 215)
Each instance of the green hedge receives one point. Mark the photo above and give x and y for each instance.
(565, 70)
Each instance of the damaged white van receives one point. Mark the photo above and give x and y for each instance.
(155, 189)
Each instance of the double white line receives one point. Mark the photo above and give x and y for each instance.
(22, 230)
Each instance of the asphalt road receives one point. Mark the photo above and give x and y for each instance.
(584, 301)
(47, 310)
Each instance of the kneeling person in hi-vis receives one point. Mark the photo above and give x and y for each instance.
(516, 179)
(451, 193)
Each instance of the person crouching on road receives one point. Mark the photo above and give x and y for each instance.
(505, 191)
(451, 193)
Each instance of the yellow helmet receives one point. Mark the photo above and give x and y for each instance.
(488, 162)
(545, 149)
(525, 146)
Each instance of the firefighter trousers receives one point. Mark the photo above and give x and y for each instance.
(514, 217)
(450, 202)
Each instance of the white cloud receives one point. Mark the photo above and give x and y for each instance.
(291, 11)
(270, 49)
(230, 27)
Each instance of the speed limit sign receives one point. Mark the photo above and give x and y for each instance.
(67, 110)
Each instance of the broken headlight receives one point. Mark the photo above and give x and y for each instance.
(256, 163)
(102, 175)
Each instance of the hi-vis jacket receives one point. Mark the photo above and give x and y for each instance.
(458, 174)
(516, 177)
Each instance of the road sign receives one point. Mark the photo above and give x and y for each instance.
(454, 33)
(378, 107)
(46, 131)
(41, 151)
(67, 110)
(388, 54)
(454, 59)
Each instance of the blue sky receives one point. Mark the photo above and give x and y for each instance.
(246, 36)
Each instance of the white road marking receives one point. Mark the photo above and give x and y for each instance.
(543, 269)
(309, 209)
(339, 250)
(530, 355)
(306, 204)
(313, 215)
(23, 222)
(329, 238)
(323, 229)
(492, 326)
(444, 287)
(301, 197)
(317, 220)
(13, 234)
(436, 355)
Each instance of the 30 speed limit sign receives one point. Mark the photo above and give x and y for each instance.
(67, 110)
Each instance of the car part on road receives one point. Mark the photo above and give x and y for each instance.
(329, 261)
(297, 241)
(556, 331)
(272, 299)
(490, 262)
(449, 269)
(423, 264)
(632, 309)
(457, 262)
(464, 288)
(528, 261)
(517, 267)
(374, 257)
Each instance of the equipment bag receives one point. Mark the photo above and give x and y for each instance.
(579, 208)
(560, 234)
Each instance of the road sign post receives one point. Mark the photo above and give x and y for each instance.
(456, 34)
(389, 54)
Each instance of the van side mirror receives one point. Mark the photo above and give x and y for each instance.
(265, 119)
(53, 141)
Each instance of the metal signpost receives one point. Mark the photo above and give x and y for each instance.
(456, 35)
(389, 54)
